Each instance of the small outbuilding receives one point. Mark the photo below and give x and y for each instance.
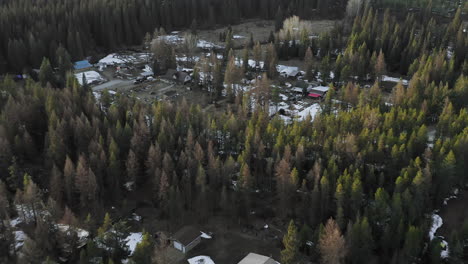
(81, 66)
(186, 238)
(253, 258)
(178, 76)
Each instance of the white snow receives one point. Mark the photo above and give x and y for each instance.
(203, 44)
(20, 237)
(205, 235)
(129, 185)
(297, 90)
(136, 217)
(322, 89)
(238, 37)
(185, 58)
(431, 134)
(449, 54)
(15, 221)
(445, 249)
(436, 224)
(80, 233)
(252, 63)
(452, 196)
(172, 39)
(148, 69)
(201, 260)
(110, 59)
(393, 79)
(115, 59)
(91, 77)
(97, 95)
(286, 119)
(311, 110)
(287, 70)
(132, 240)
(25, 213)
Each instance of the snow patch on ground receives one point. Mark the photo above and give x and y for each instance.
(311, 110)
(136, 217)
(445, 249)
(132, 240)
(20, 237)
(203, 44)
(201, 260)
(185, 59)
(15, 222)
(454, 195)
(129, 185)
(97, 95)
(205, 235)
(81, 233)
(172, 39)
(436, 224)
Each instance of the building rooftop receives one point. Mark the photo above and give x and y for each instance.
(186, 235)
(79, 65)
(253, 258)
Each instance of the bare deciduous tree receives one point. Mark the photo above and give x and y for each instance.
(332, 244)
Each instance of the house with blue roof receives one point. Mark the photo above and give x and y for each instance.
(83, 65)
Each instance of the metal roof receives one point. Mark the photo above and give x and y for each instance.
(79, 65)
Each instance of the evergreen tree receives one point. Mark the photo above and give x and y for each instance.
(46, 74)
(291, 245)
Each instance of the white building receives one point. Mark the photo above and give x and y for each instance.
(253, 258)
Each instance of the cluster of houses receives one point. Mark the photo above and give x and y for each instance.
(188, 237)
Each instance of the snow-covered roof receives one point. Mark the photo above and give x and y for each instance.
(116, 59)
(200, 260)
(322, 89)
(297, 90)
(253, 258)
(288, 70)
(91, 77)
(386, 78)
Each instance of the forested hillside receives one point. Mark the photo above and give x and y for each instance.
(33, 29)
(357, 183)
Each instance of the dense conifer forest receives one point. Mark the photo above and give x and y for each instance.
(31, 30)
(356, 184)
